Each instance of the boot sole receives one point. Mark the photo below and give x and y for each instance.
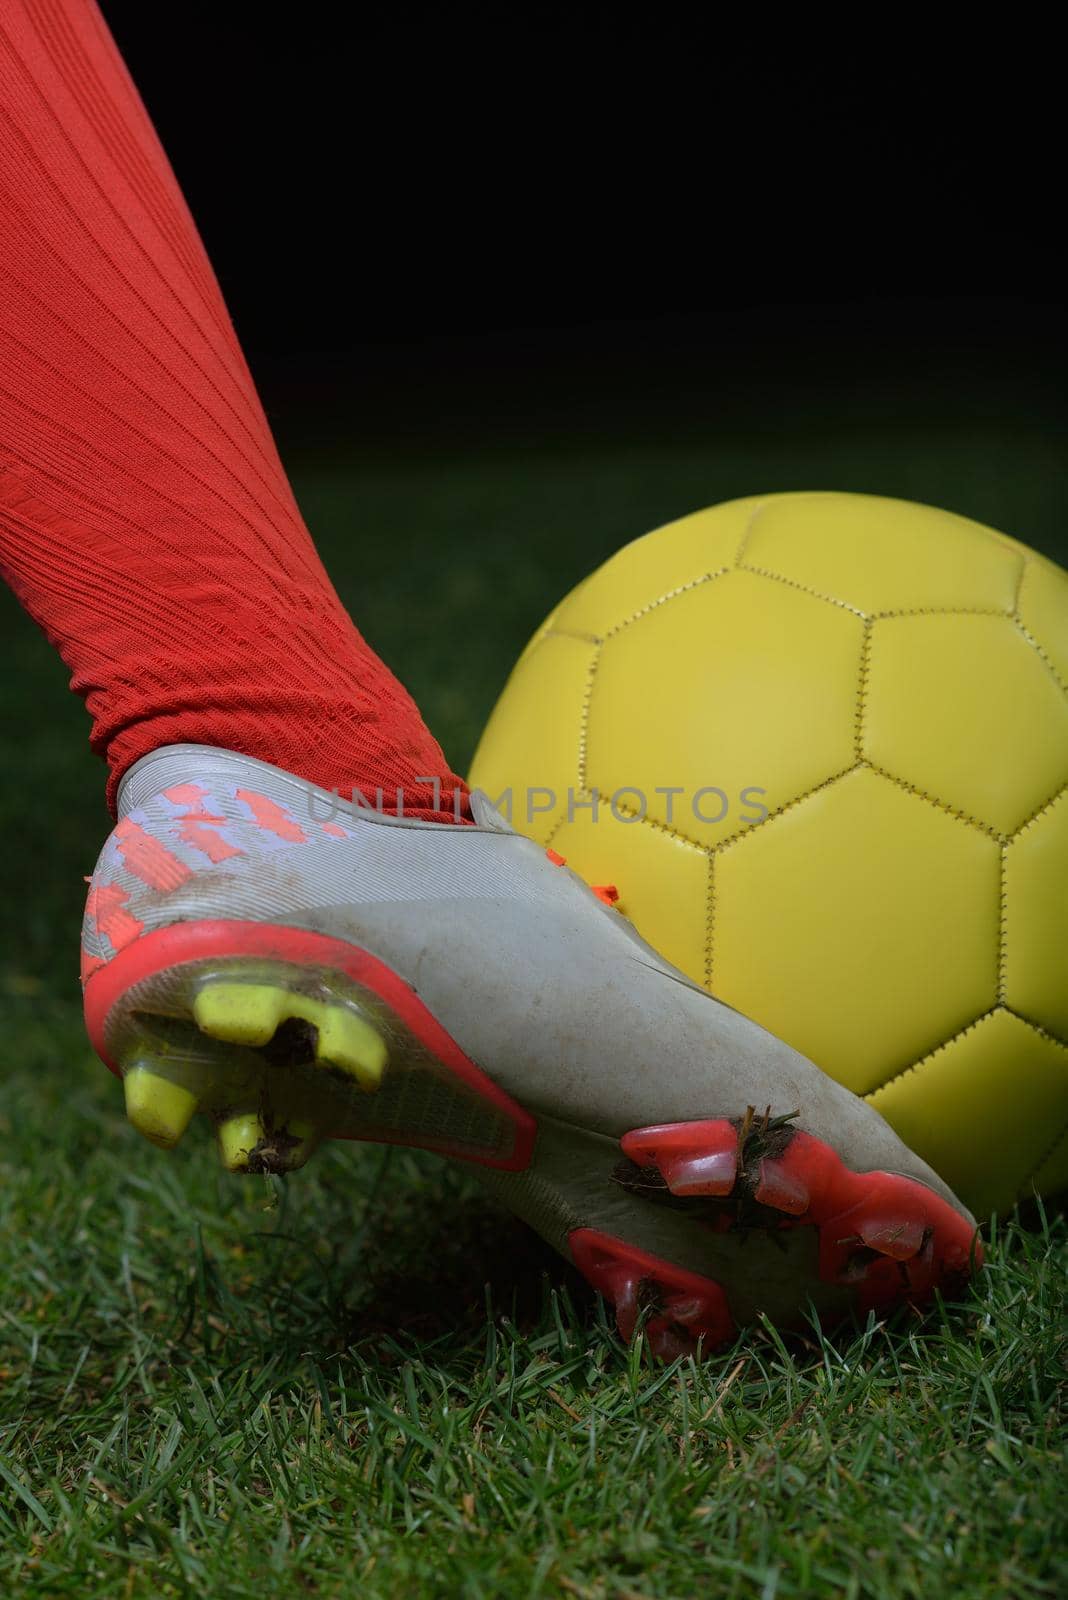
(284, 1037)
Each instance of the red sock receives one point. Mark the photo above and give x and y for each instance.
(145, 520)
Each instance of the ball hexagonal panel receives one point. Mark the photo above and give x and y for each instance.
(1051, 1175)
(532, 740)
(984, 1109)
(861, 926)
(1043, 610)
(736, 685)
(963, 709)
(881, 555)
(663, 881)
(1036, 920)
(643, 572)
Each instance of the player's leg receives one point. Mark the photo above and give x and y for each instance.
(298, 967)
(145, 519)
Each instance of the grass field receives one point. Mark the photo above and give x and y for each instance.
(368, 1382)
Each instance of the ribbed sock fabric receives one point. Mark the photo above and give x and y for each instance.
(146, 523)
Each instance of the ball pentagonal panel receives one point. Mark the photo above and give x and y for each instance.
(1043, 610)
(1036, 920)
(663, 882)
(739, 685)
(964, 710)
(662, 562)
(861, 926)
(983, 1109)
(532, 741)
(882, 555)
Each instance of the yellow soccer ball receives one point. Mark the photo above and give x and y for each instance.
(826, 736)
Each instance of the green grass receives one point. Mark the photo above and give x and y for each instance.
(369, 1382)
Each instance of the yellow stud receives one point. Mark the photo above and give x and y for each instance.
(250, 1014)
(241, 1013)
(158, 1108)
(238, 1137)
(347, 1041)
(307, 1143)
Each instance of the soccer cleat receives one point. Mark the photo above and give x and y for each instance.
(299, 968)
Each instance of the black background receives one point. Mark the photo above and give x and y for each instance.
(479, 219)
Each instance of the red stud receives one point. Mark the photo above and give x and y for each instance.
(886, 1237)
(693, 1158)
(690, 1309)
(892, 1233)
(779, 1187)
